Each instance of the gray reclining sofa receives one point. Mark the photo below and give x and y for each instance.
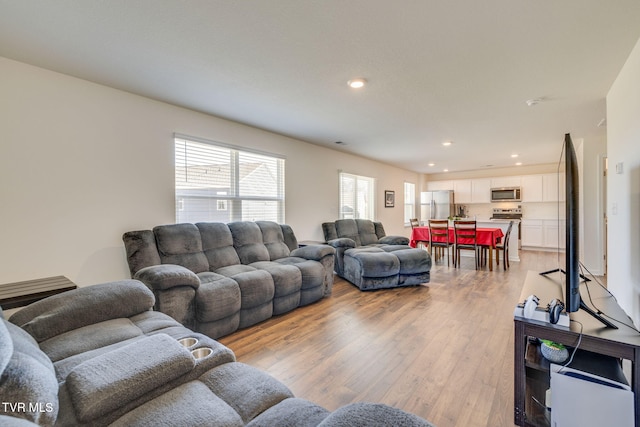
(100, 355)
(215, 278)
(368, 258)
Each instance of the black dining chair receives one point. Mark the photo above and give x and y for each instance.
(465, 238)
(504, 247)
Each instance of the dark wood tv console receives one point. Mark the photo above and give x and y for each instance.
(531, 375)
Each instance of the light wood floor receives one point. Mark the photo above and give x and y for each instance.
(443, 350)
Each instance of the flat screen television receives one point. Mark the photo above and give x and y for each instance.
(572, 271)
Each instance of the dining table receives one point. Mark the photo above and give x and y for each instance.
(486, 237)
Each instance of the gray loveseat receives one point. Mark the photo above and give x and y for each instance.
(215, 277)
(368, 258)
(100, 355)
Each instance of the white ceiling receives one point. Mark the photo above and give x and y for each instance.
(437, 70)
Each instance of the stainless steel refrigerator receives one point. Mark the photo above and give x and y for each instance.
(436, 205)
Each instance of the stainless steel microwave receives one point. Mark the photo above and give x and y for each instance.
(506, 194)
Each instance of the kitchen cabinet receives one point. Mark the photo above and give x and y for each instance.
(532, 188)
(543, 233)
(462, 191)
(531, 230)
(553, 187)
(439, 185)
(506, 181)
(553, 233)
(481, 190)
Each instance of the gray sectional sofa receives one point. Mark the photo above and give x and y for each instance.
(215, 277)
(369, 259)
(100, 355)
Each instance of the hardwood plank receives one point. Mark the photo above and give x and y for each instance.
(443, 350)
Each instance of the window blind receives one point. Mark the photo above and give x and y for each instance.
(220, 183)
(357, 196)
(409, 201)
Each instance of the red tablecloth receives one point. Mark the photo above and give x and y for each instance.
(485, 236)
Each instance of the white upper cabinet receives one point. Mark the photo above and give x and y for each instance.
(553, 187)
(506, 181)
(481, 190)
(462, 191)
(439, 185)
(549, 187)
(532, 188)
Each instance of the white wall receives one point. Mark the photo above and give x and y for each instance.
(623, 190)
(82, 163)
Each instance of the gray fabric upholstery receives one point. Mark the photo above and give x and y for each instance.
(134, 371)
(372, 415)
(291, 412)
(264, 272)
(181, 244)
(369, 259)
(27, 377)
(246, 389)
(110, 380)
(59, 313)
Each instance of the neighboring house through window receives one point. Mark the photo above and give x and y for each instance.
(357, 197)
(216, 182)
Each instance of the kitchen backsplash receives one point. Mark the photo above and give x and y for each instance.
(547, 210)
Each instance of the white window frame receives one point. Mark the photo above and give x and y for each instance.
(409, 202)
(223, 183)
(357, 196)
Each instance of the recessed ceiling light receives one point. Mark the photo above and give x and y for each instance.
(519, 164)
(431, 164)
(357, 83)
(513, 156)
(447, 143)
(446, 170)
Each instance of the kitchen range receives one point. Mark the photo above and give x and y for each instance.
(513, 213)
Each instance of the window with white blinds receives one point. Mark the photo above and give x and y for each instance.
(357, 196)
(221, 183)
(409, 201)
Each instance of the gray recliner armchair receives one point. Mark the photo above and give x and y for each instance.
(368, 258)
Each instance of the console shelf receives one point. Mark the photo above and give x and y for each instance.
(601, 350)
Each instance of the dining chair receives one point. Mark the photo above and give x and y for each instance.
(439, 237)
(504, 247)
(465, 238)
(416, 223)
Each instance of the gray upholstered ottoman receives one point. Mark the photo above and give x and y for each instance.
(414, 266)
(375, 268)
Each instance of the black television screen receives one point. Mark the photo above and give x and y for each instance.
(572, 255)
(572, 271)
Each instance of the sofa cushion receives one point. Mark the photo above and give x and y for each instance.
(347, 228)
(111, 380)
(90, 305)
(218, 297)
(247, 239)
(273, 239)
(191, 404)
(89, 337)
(365, 414)
(181, 244)
(217, 243)
(28, 385)
(287, 279)
(292, 412)
(367, 232)
(167, 276)
(246, 389)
